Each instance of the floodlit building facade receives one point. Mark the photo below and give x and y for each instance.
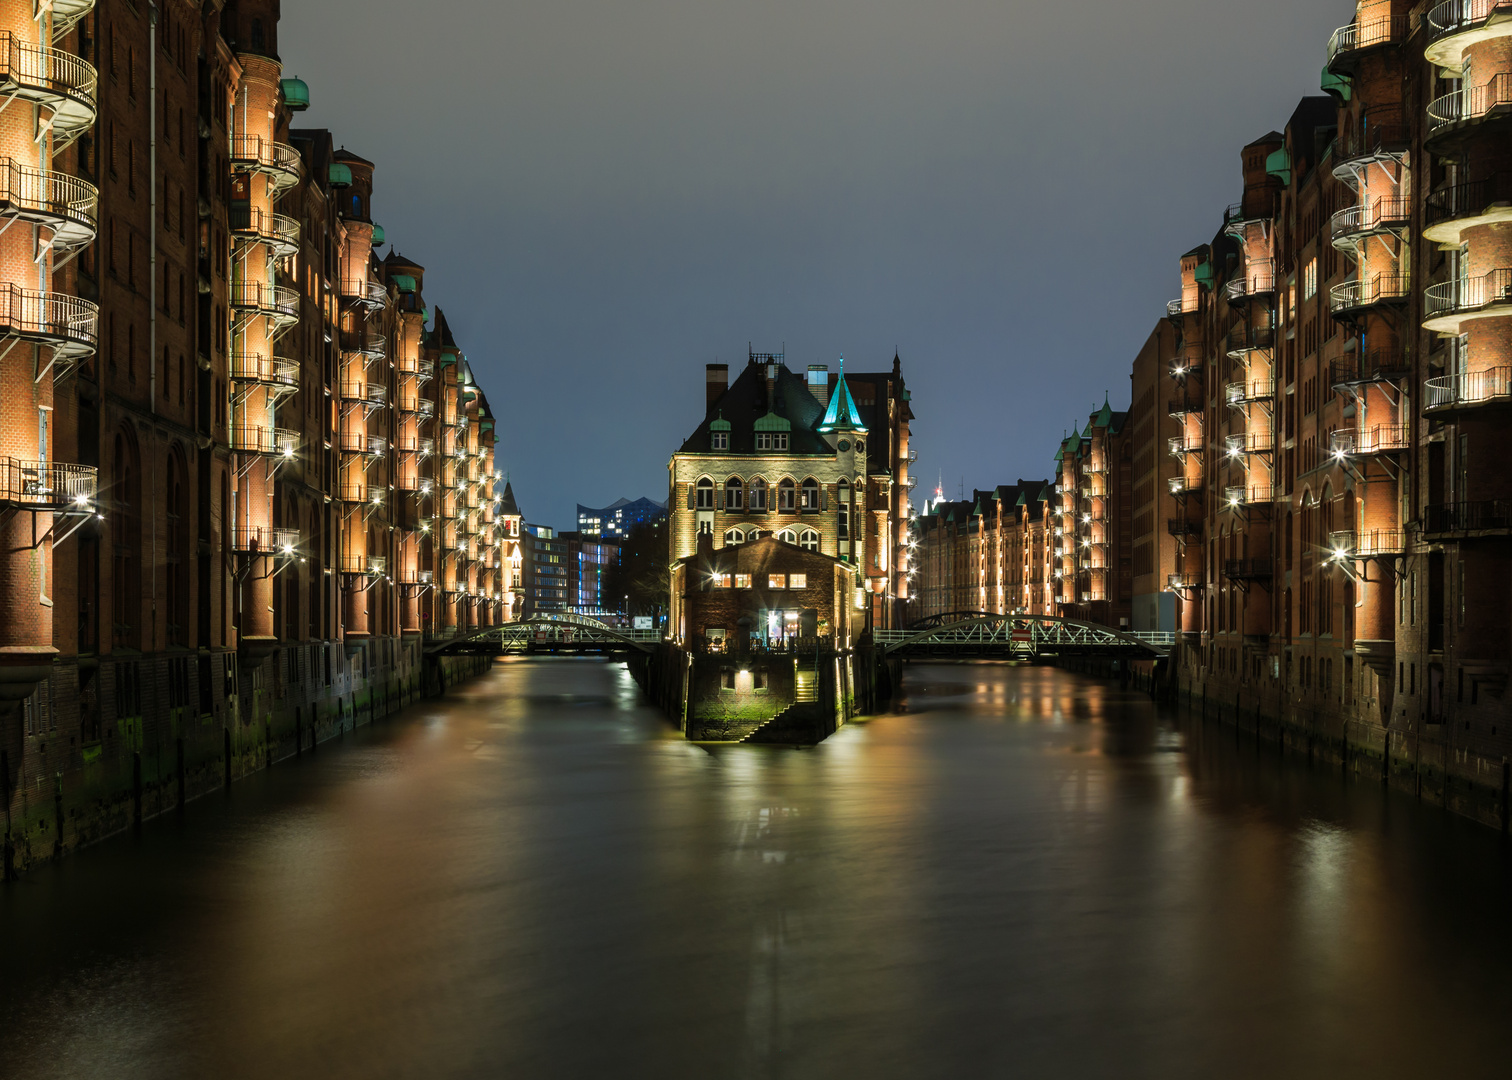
(246, 468)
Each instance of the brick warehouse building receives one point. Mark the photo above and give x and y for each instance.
(1338, 557)
(245, 468)
(820, 460)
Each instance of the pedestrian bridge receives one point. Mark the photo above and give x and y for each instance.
(551, 634)
(984, 635)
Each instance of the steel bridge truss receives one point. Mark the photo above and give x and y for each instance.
(1015, 637)
(553, 633)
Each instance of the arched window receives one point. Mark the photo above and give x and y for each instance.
(785, 493)
(787, 536)
(732, 493)
(811, 494)
(754, 534)
(705, 500)
(809, 540)
(842, 490)
(758, 494)
(733, 537)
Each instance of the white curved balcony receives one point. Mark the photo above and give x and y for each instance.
(70, 207)
(279, 162)
(373, 395)
(267, 441)
(69, 325)
(1348, 42)
(1352, 224)
(47, 485)
(1469, 390)
(1456, 115)
(1456, 25)
(276, 302)
(56, 80)
(371, 345)
(1258, 279)
(279, 231)
(364, 293)
(1377, 439)
(1448, 305)
(1241, 393)
(65, 13)
(1349, 298)
(264, 540)
(260, 369)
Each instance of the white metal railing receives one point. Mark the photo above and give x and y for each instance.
(278, 301)
(264, 539)
(1451, 297)
(279, 161)
(46, 484)
(69, 205)
(68, 323)
(1372, 440)
(1372, 32)
(261, 368)
(1455, 16)
(1367, 544)
(1468, 388)
(253, 439)
(64, 82)
(1383, 213)
(1356, 294)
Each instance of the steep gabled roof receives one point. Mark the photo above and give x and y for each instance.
(509, 508)
(747, 402)
(842, 414)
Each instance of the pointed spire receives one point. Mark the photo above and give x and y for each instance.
(842, 413)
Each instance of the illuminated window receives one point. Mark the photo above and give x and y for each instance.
(809, 540)
(787, 536)
(705, 499)
(733, 537)
(776, 581)
(742, 581)
(721, 581)
(1310, 279)
(797, 581)
(811, 494)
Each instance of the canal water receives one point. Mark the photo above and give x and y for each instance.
(1025, 874)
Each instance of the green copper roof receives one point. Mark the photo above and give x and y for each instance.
(377, 235)
(1204, 273)
(1337, 85)
(296, 94)
(1022, 499)
(719, 423)
(404, 282)
(1104, 415)
(448, 358)
(340, 175)
(842, 411)
(1279, 165)
(485, 425)
(772, 422)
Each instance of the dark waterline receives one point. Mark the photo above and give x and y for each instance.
(1028, 873)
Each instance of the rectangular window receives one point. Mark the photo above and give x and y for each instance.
(742, 581)
(797, 581)
(1310, 279)
(721, 581)
(777, 581)
(720, 440)
(763, 440)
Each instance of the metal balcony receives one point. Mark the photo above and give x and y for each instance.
(1258, 279)
(1488, 517)
(58, 81)
(47, 485)
(374, 565)
(1450, 304)
(264, 540)
(1175, 309)
(1183, 582)
(374, 395)
(1451, 210)
(364, 293)
(1369, 544)
(269, 441)
(360, 442)
(66, 324)
(279, 372)
(1183, 527)
(364, 342)
(1240, 495)
(1454, 25)
(276, 302)
(280, 163)
(1381, 134)
(66, 205)
(358, 492)
(1354, 224)
(1182, 486)
(1248, 569)
(1380, 439)
(1378, 365)
(1348, 42)
(279, 231)
(1351, 298)
(1181, 445)
(1183, 406)
(1243, 341)
(1241, 393)
(1467, 391)
(1468, 112)
(1249, 442)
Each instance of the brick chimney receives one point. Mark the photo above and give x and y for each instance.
(819, 382)
(717, 382)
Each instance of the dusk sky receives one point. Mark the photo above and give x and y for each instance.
(607, 196)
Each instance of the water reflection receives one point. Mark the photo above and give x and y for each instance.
(1024, 873)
